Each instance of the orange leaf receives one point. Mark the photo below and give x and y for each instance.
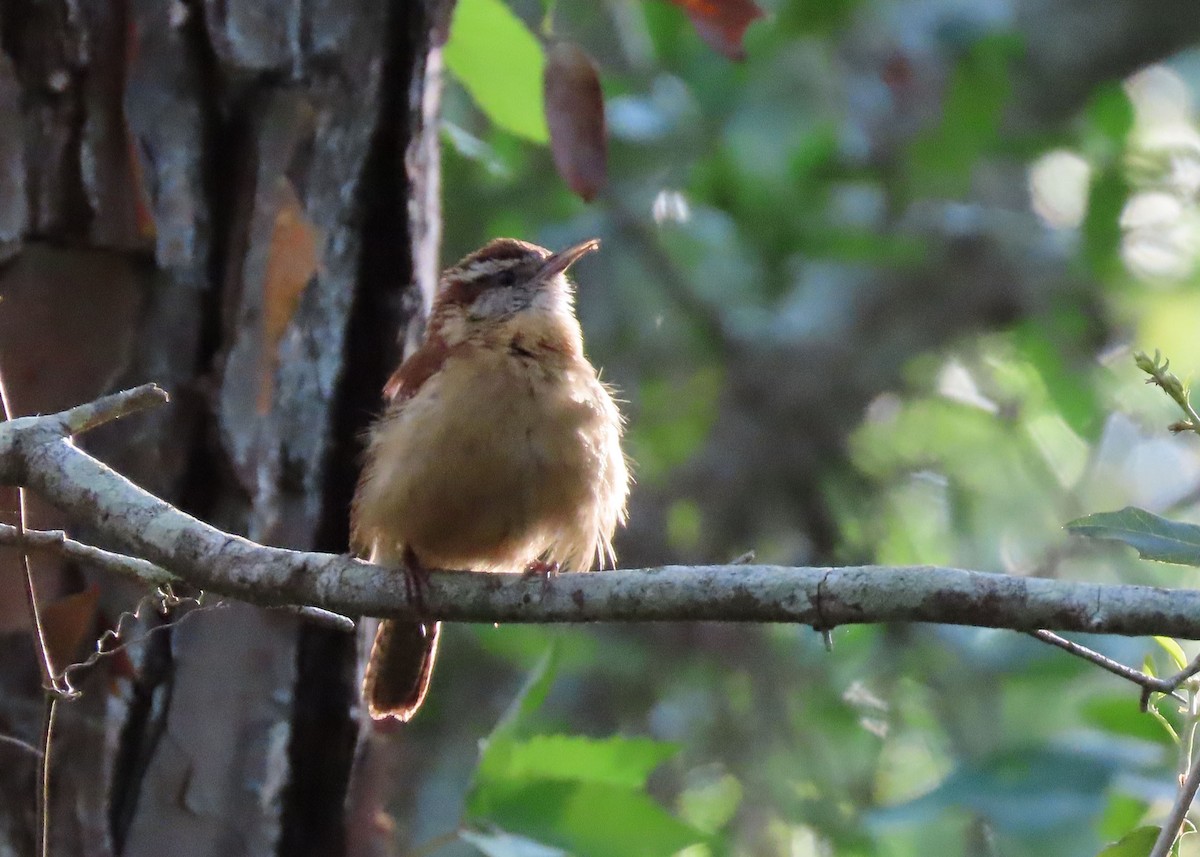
(292, 259)
(575, 115)
(67, 623)
(722, 23)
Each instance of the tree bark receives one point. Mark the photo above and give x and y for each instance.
(240, 201)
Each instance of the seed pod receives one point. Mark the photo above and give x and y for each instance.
(575, 116)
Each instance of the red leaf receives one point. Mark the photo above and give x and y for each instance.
(575, 115)
(722, 23)
(67, 623)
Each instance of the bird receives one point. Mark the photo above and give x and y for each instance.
(498, 449)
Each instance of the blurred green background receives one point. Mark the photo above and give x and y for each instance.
(871, 297)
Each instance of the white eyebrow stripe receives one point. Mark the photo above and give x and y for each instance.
(484, 268)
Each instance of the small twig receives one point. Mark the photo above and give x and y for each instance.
(1148, 683)
(321, 617)
(1179, 810)
(86, 417)
(57, 540)
(13, 741)
(1184, 674)
(1160, 375)
(47, 739)
(116, 639)
(140, 569)
(30, 590)
(49, 682)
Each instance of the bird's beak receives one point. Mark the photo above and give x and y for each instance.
(559, 262)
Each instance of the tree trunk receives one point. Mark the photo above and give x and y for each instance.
(237, 199)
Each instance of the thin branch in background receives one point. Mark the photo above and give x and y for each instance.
(52, 699)
(47, 669)
(1148, 683)
(30, 589)
(141, 570)
(58, 541)
(1179, 810)
(13, 741)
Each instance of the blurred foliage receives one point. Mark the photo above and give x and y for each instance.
(761, 206)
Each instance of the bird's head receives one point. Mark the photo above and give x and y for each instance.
(507, 282)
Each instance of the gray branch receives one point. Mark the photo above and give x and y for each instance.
(36, 452)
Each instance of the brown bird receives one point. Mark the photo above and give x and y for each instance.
(499, 448)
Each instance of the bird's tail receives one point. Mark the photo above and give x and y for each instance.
(399, 668)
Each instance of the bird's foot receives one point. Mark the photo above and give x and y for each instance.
(542, 570)
(416, 580)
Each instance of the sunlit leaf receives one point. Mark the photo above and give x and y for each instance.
(1152, 536)
(722, 23)
(499, 61)
(711, 804)
(1121, 815)
(575, 115)
(566, 815)
(1173, 649)
(1135, 844)
(1042, 344)
(1162, 720)
(1121, 715)
(617, 761)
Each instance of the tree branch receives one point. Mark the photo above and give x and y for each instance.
(35, 452)
(1169, 831)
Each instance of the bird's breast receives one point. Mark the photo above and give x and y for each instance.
(500, 456)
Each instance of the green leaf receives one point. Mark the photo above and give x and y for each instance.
(941, 161)
(1120, 715)
(1110, 112)
(496, 749)
(1071, 391)
(1122, 814)
(499, 62)
(1020, 791)
(1173, 649)
(533, 693)
(616, 761)
(1153, 537)
(711, 804)
(1135, 844)
(585, 819)
(1102, 224)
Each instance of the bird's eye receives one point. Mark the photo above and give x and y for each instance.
(504, 279)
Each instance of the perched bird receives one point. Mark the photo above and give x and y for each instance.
(499, 448)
